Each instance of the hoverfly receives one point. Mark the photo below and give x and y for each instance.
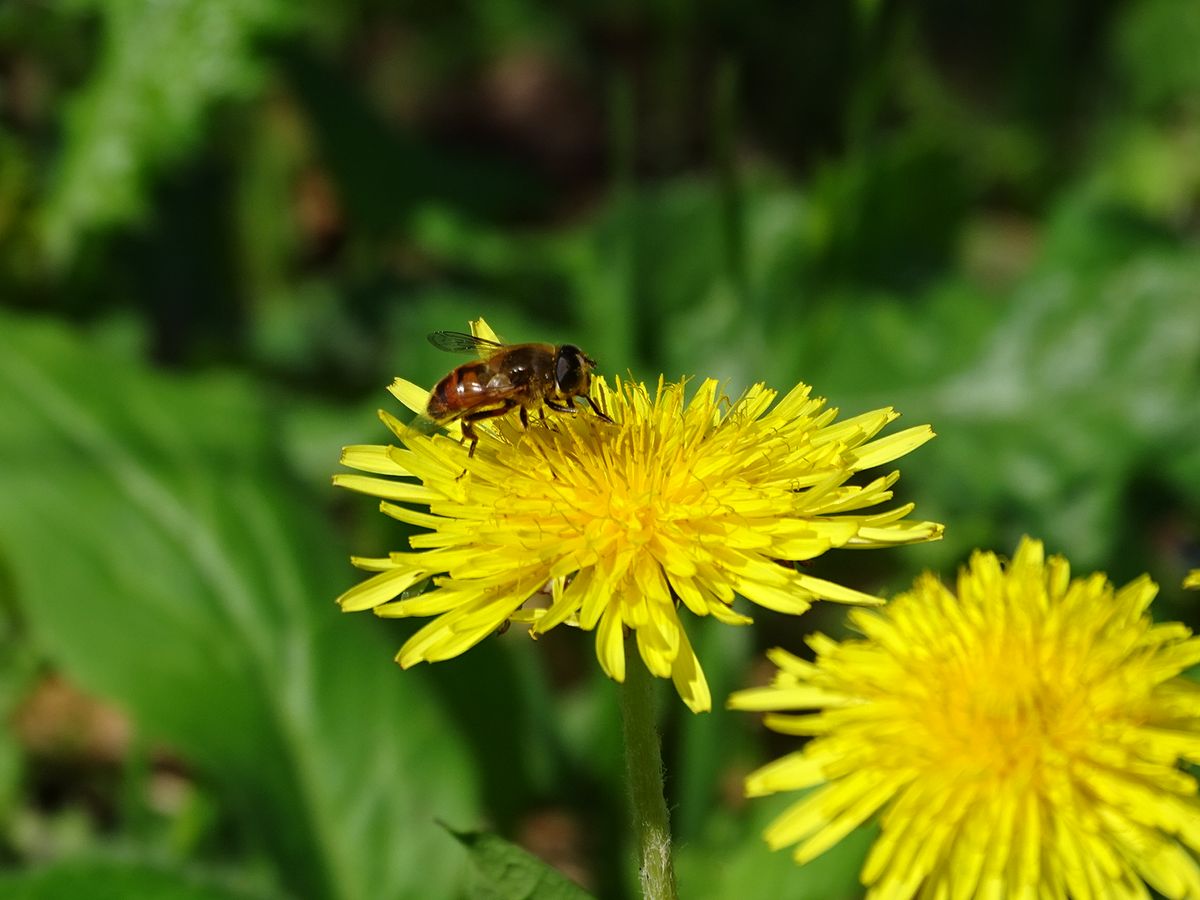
(507, 377)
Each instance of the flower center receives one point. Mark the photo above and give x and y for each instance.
(1000, 715)
(636, 513)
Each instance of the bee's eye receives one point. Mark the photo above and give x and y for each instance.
(568, 370)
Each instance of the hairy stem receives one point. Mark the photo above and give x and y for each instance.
(644, 768)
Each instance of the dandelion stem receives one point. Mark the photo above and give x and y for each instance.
(643, 762)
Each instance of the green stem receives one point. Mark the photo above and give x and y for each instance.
(644, 767)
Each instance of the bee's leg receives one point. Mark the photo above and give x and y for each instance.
(597, 410)
(524, 417)
(468, 431)
(470, 418)
(563, 409)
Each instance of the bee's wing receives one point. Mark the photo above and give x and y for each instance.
(460, 342)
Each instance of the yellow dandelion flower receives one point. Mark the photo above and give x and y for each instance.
(1192, 579)
(1021, 739)
(674, 502)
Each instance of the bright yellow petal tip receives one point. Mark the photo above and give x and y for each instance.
(679, 503)
(1021, 736)
(1192, 579)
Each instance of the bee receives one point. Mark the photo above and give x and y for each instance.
(507, 377)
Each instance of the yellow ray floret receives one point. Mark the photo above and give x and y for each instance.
(677, 503)
(1021, 736)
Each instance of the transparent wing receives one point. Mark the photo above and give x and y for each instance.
(460, 342)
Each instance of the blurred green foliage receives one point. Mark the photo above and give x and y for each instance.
(159, 69)
(188, 598)
(224, 226)
(113, 880)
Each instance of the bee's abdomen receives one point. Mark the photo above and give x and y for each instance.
(457, 392)
(436, 407)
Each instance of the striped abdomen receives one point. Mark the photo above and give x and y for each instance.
(463, 390)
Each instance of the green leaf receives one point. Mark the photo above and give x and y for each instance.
(162, 66)
(506, 872)
(110, 880)
(164, 558)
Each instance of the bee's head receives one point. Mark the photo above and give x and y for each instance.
(572, 371)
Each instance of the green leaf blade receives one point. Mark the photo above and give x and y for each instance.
(165, 560)
(506, 872)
